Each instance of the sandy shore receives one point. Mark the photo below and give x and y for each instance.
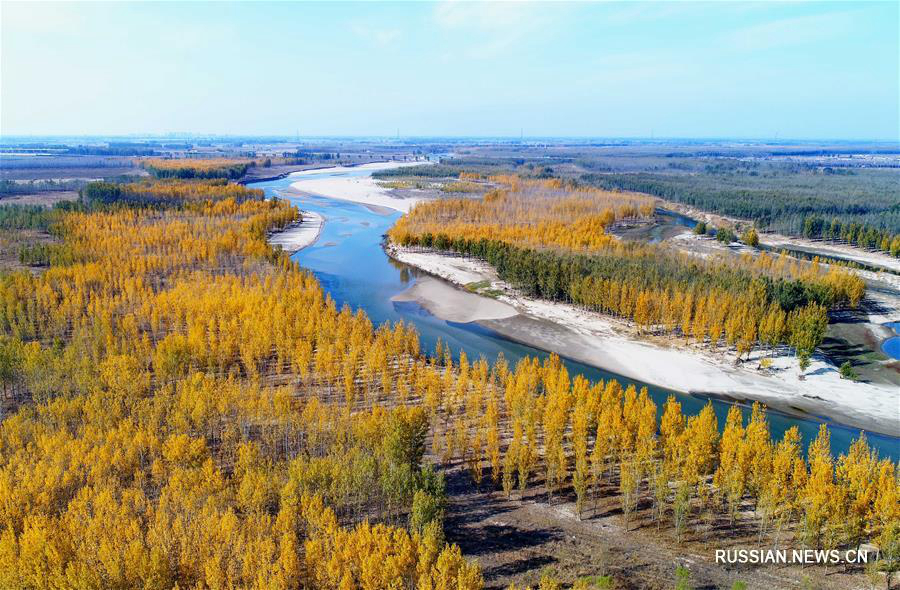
(452, 304)
(611, 345)
(297, 236)
(355, 188)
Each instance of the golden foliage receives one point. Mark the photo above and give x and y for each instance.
(529, 213)
(196, 164)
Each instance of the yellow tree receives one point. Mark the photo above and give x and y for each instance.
(730, 477)
(580, 425)
(817, 493)
(671, 428)
(857, 472)
(643, 311)
(779, 497)
(701, 439)
(629, 480)
(492, 427)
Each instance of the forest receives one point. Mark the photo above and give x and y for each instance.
(184, 406)
(857, 207)
(197, 168)
(548, 240)
(527, 212)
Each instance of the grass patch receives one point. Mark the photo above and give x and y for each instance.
(476, 286)
(482, 288)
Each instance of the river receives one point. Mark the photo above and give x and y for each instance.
(891, 346)
(349, 262)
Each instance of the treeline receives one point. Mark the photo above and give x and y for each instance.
(113, 149)
(857, 234)
(197, 168)
(11, 187)
(168, 193)
(782, 201)
(102, 194)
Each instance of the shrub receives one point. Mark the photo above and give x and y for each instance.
(848, 372)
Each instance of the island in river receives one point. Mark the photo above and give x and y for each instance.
(588, 338)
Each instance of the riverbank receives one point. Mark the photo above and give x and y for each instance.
(612, 345)
(279, 171)
(297, 236)
(358, 189)
(809, 247)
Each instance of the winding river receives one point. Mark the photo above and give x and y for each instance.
(349, 262)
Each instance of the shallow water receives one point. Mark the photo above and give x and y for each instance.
(350, 264)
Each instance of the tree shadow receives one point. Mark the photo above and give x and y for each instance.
(491, 539)
(533, 563)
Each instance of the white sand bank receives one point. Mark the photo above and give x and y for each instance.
(359, 189)
(452, 304)
(609, 344)
(456, 269)
(297, 236)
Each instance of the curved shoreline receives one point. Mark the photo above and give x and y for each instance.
(298, 235)
(600, 342)
(362, 190)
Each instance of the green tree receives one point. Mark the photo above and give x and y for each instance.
(10, 361)
(683, 578)
(848, 372)
(725, 235)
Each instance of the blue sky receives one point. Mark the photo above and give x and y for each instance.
(678, 69)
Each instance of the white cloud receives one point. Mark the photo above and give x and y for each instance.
(790, 31)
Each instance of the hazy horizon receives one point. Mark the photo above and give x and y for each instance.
(635, 71)
(401, 138)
